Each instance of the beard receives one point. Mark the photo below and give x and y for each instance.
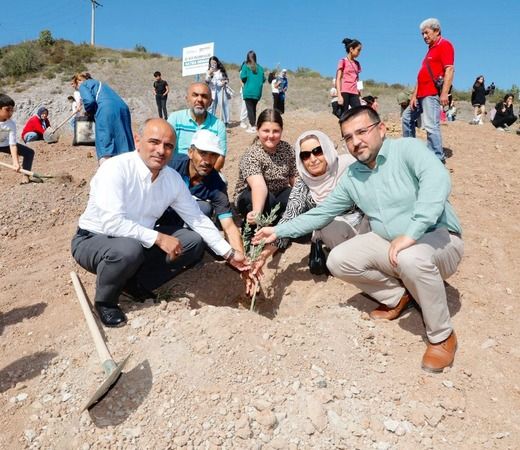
(198, 111)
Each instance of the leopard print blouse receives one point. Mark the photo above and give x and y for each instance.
(276, 168)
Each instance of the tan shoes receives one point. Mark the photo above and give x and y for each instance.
(385, 313)
(441, 355)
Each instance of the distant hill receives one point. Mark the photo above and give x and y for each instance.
(38, 72)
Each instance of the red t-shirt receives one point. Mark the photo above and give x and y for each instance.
(439, 56)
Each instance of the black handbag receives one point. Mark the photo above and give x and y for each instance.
(84, 131)
(318, 259)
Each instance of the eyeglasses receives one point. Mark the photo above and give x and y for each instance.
(316, 151)
(360, 133)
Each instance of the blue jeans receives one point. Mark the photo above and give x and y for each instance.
(32, 136)
(222, 100)
(430, 107)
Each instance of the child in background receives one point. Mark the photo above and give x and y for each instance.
(333, 94)
(36, 126)
(8, 142)
(451, 113)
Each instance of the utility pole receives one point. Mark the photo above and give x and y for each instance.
(95, 4)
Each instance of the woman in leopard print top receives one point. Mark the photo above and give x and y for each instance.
(267, 170)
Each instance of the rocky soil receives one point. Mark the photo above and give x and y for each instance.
(307, 370)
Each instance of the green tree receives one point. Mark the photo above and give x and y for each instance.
(46, 39)
(19, 60)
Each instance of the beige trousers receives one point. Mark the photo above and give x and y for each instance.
(363, 261)
(340, 230)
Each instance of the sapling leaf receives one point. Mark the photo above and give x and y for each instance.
(254, 251)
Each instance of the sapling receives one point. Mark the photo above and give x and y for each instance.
(253, 251)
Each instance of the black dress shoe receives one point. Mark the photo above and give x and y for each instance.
(137, 292)
(110, 314)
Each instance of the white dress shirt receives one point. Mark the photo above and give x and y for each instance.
(124, 202)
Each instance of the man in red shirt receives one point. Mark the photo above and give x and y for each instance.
(433, 87)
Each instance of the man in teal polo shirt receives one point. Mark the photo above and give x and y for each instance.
(415, 242)
(187, 121)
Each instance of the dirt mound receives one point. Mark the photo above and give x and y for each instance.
(309, 370)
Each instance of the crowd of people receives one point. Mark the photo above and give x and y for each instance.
(381, 209)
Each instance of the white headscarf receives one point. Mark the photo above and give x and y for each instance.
(321, 186)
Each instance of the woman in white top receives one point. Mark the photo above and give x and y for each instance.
(218, 80)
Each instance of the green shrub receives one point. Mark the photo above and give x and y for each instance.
(140, 48)
(49, 74)
(20, 60)
(306, 72)
(77, 56)
(46, 39)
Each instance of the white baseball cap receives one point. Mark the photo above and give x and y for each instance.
(206, 141)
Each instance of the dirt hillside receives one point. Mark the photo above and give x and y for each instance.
(309, 370)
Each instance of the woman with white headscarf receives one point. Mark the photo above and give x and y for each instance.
(320, 168)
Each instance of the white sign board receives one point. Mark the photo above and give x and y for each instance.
(195, 58)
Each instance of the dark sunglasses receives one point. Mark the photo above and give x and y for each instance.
(316, 151)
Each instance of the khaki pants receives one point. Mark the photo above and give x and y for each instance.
(340, 230)
(363, 261)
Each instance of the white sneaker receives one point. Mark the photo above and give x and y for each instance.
(243, 125)
(251, 130)
(500, 129)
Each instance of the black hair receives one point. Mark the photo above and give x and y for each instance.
(476, 84)
(5, 100)
(350, 43)
(70, 97)
(509, 94)
(269, 115)
(220, 66)
(157, 73)
(356, 111)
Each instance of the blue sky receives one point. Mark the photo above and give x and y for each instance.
(486, 34)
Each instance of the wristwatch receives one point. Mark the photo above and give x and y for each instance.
(229, 255)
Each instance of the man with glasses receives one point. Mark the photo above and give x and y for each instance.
(415, 242)
(433, 87)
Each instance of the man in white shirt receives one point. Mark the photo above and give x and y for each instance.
(117, 238)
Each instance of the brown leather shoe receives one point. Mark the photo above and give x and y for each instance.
(385, 313)
(441, 355)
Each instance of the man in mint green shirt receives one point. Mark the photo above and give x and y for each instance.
(415, 242)
(186, 122)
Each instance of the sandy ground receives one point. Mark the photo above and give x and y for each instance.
(308, 370)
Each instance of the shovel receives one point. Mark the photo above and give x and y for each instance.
(112, 370)
(38, 176)
(49, 135)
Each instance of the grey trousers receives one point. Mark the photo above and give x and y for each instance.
(363, 261)
(117, 260)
